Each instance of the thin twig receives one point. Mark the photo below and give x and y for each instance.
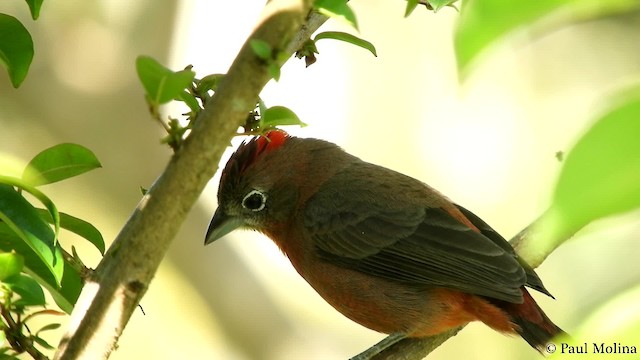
(19, 342)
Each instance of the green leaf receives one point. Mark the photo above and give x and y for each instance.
(439, 4)
(53, 210)
(78, 227)
(4, 356)
(59, 162)
(274, 71)
(40, 341)
(20, 218)
(34, 7)
(262, 107)
(161, 84)
(601, 174)
(30, 292)
(338, 9)
(342, 36)
(278, 116)
(307, 51)
(48, 327)
(10, 265)
(16, 48)
(66, 294)
(189, 100)
(42, 312)
(262, 49)
(209, 82)
(411, 5)
(483, 22)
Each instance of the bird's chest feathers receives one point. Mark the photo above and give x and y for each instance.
(292, 243)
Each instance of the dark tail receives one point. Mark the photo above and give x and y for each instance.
(531, 322)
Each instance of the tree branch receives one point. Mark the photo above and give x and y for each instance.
(312, 23)
(528, 246)
(18, 341)
(123, 276)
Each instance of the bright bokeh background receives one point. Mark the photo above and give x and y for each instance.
(489, 144)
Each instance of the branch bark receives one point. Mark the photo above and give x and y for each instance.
(123, 276)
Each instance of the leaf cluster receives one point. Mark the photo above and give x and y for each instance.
(31, 255)
(163, 85)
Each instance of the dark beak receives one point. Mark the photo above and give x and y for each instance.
(221, 225)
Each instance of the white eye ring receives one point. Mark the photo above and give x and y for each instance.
(255, 200)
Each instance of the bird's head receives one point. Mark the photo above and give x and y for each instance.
(256, 187)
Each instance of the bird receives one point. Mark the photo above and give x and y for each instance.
(384, 249)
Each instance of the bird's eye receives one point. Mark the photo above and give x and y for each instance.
(254, 200)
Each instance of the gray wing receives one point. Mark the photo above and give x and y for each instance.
(366, 226)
